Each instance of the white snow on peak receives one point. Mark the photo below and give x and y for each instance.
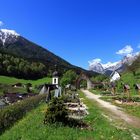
(9, 32)
(98, 66)
(5, 33)
(110, 64)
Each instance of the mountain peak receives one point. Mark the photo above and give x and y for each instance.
(8, 36)
(9, 32)
(99, 67)
(96, 67)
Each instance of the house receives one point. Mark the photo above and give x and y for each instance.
(115, 76)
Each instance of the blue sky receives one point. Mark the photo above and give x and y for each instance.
(76, 30)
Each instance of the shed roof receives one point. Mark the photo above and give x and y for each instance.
(137, 86)
(126, 86)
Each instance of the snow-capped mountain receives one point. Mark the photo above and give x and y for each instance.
(8, 36)
(119, 66)
(96, 67)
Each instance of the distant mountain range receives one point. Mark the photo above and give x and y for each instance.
(119, 66)
(14, 44)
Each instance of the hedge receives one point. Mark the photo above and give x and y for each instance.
(12, 113)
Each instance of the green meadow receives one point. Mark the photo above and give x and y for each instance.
(6, 82)
(31, 127)
(12, 80)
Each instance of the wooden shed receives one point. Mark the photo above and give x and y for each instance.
(126, 87)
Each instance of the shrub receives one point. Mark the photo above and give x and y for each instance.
(56, 111)
(58, 114)
(10, 114)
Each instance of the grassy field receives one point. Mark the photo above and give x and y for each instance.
(12, 80)
(6, 82)
(31, 127)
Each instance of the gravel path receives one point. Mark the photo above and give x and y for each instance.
(134, 121)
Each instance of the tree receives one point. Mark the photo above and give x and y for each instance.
(68, 78)
(56, 112)
(11, 69)
(99, 78)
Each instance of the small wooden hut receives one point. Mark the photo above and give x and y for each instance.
(137, 88)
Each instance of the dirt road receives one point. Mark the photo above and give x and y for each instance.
(133, 121)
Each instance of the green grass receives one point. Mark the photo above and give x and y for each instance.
(130, 79)
(97, 92)
(130, 109)
(31, 127)
(12, 80)
(6, 83)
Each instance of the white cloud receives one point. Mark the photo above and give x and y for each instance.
(126, 50)
(1, 23)
(97, 60)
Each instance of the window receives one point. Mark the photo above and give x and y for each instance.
(55, 81)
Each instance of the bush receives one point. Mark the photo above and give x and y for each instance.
(56, 111)
(10, 114)
(58, 114)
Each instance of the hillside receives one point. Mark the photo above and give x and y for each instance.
(131, 75)
(135, 67)
(14, 45)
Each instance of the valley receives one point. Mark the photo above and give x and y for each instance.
(27, 68)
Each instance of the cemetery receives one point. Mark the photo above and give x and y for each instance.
(65, 107)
